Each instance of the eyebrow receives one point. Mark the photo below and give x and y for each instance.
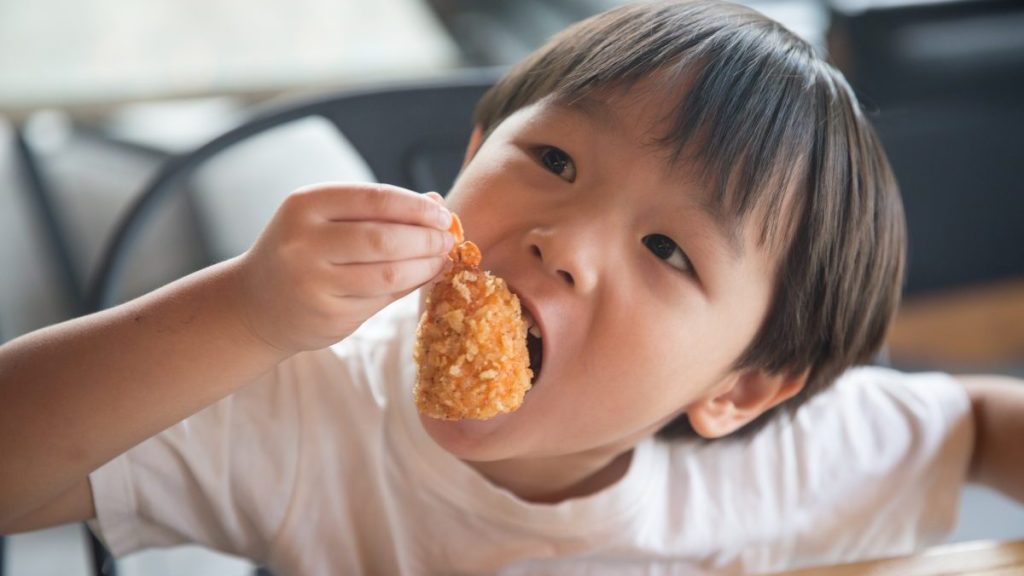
(595, 109)
(726, 227)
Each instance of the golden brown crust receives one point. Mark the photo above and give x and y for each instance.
(470, 343)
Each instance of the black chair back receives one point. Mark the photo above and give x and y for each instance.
(944, 82)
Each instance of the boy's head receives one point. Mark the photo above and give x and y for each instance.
(699, 216)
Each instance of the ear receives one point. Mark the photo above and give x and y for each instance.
(740, 399)
(475, 140)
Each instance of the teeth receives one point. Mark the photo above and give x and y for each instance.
(531, 324)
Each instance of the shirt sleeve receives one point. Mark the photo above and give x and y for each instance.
(221, 478)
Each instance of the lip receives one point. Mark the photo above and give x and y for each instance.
(538, 318)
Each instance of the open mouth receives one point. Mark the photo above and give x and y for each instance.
(534, 344)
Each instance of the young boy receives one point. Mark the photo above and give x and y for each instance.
(704, 226)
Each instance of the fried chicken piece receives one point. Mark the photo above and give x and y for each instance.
(471, 342)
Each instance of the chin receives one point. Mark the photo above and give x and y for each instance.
(472, 440)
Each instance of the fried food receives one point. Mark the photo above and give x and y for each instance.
(471, 342)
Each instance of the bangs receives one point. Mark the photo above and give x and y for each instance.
(745, 113)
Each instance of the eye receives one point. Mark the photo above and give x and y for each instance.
(665, 248)
(558, 162)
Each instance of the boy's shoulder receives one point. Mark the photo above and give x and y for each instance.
(874, 422)
(915, 395)
(871, 411)
(874, 411)
(875, 463)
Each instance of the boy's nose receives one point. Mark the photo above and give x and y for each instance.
(565, 259)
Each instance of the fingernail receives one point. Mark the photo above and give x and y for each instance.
(444, 217)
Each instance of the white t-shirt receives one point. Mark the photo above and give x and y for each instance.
(322, 467)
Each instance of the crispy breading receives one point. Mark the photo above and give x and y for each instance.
(471, 342)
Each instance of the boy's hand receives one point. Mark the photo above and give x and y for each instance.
(997, 404)
(335, 254)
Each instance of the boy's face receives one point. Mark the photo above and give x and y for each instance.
(581, 212)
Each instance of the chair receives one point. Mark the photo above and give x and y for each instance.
(38, 284)
(409, 135)
(945, 81)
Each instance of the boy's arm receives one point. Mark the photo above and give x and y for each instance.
(998, 458)
(75, 395)
(73, 505)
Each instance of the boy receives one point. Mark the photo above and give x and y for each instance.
(705, 228)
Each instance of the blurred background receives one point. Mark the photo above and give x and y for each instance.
(97, 95)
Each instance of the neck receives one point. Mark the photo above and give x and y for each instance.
(554, 479)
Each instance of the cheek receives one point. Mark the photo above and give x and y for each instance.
(485, 170)
(653, 365)
(498, 170)
(477, 199)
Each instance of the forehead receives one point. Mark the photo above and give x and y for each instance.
(641, 109)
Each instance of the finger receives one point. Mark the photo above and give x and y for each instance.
(380, 202)
(366, 242)
(371, 305)
(435, 197)
(383, 278)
